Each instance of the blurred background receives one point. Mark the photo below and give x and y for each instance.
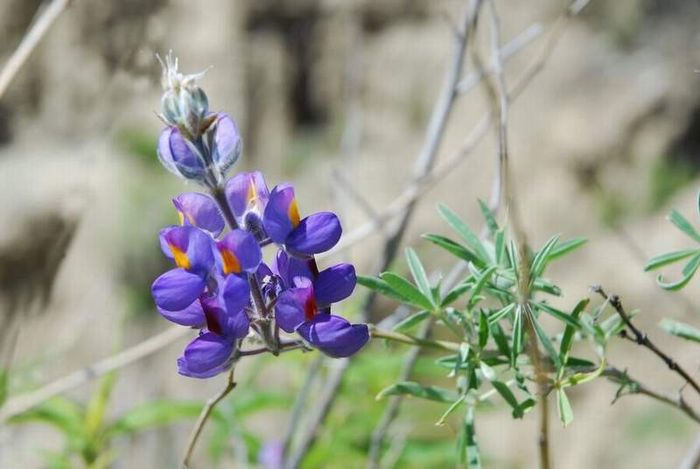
(604, 142)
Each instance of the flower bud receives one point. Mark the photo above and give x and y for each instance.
(179, 156)
(225, 143)
(184, 104)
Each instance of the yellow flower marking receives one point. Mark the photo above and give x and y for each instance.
(231, 262)
(293, 213)
(181, 259)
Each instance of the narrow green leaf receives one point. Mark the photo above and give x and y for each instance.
(566, 247)
(501, 313)
(687, 274)
(509, 397)
(568, 319)
(418, 273)
(456, 293)
(157, 414)
(454, 248)
(566, 414)
(380, 286)
(680, 329)
(411, 388)
(580, 378)
(668, 258)
(407, 290)
(683, 224)
(546, 342)
(483, 330)
(481, 281)
(488, 372)
(63, 414)
(411, 321)
(569, 331)
(500, 338)
(500, 248)
(491, 222)
(517, 336)
(541, 259)
(468, 446)
(450, 409)
(96, 408)
(463, 231)
(4, 384)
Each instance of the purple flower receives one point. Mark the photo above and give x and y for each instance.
(247, 195)
(240, 252)
(271, 455)
(179, 156)
(225, 143)
(301, 237)
(199, 210)
(192, 251)
(212, 351)
(297, 311)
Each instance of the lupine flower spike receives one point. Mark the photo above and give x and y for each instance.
(219, 283)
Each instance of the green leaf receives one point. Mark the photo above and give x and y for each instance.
(4, 384)
(411, 388)
(687, 274)
(488, 372)
(380, 286)
(517, 336)
(468, 447)
(455, 249)
(566, 247)
(499, 242)
(157, 414)
(568, 319)
(509, 397)
(541, 259)
(63, 414)
(566, 414)
(407, 290)
(491, 222)
(668, 258)
(580, 378)
(450, 409)
(483, 330)
(546, 342)
(501, 313)
(684, 225)
(569, 331)
(456, 293)
(680, 329)
(96, 408)
(481, 280)
(418, 273)
(463, 231)
(500, 338)
(411, 321)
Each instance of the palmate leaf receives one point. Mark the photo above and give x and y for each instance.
(688, 271)
(407, 290)
(418, 273)
(541, 258)
(463, 231)
(456, 293)
(566, 247)
(380, 286)
(411, 321)
(680, 329)
(411, 388)
(454, 248)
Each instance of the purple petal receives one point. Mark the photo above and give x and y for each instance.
(334, 335)
(177, 289)
(291, 268)
(240, 252)
(292, 307)
(334, 284)
(174, 151)
(237, 324)
(227, 143)
(236, 293)
(199, 210)
(206, 356)
(190, 247)
(193, 315)
(247, 192)
(315, 234)
(277, 220)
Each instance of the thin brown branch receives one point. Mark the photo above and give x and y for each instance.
(641, 338)
(46, 18)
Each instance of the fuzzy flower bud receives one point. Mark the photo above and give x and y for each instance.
(184, 104)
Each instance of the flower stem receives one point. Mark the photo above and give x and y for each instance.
(206, 412)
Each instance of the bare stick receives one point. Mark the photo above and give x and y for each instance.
(636, 387)
(641, 338)
(206, 412)
(22, 403)
(29, 42)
